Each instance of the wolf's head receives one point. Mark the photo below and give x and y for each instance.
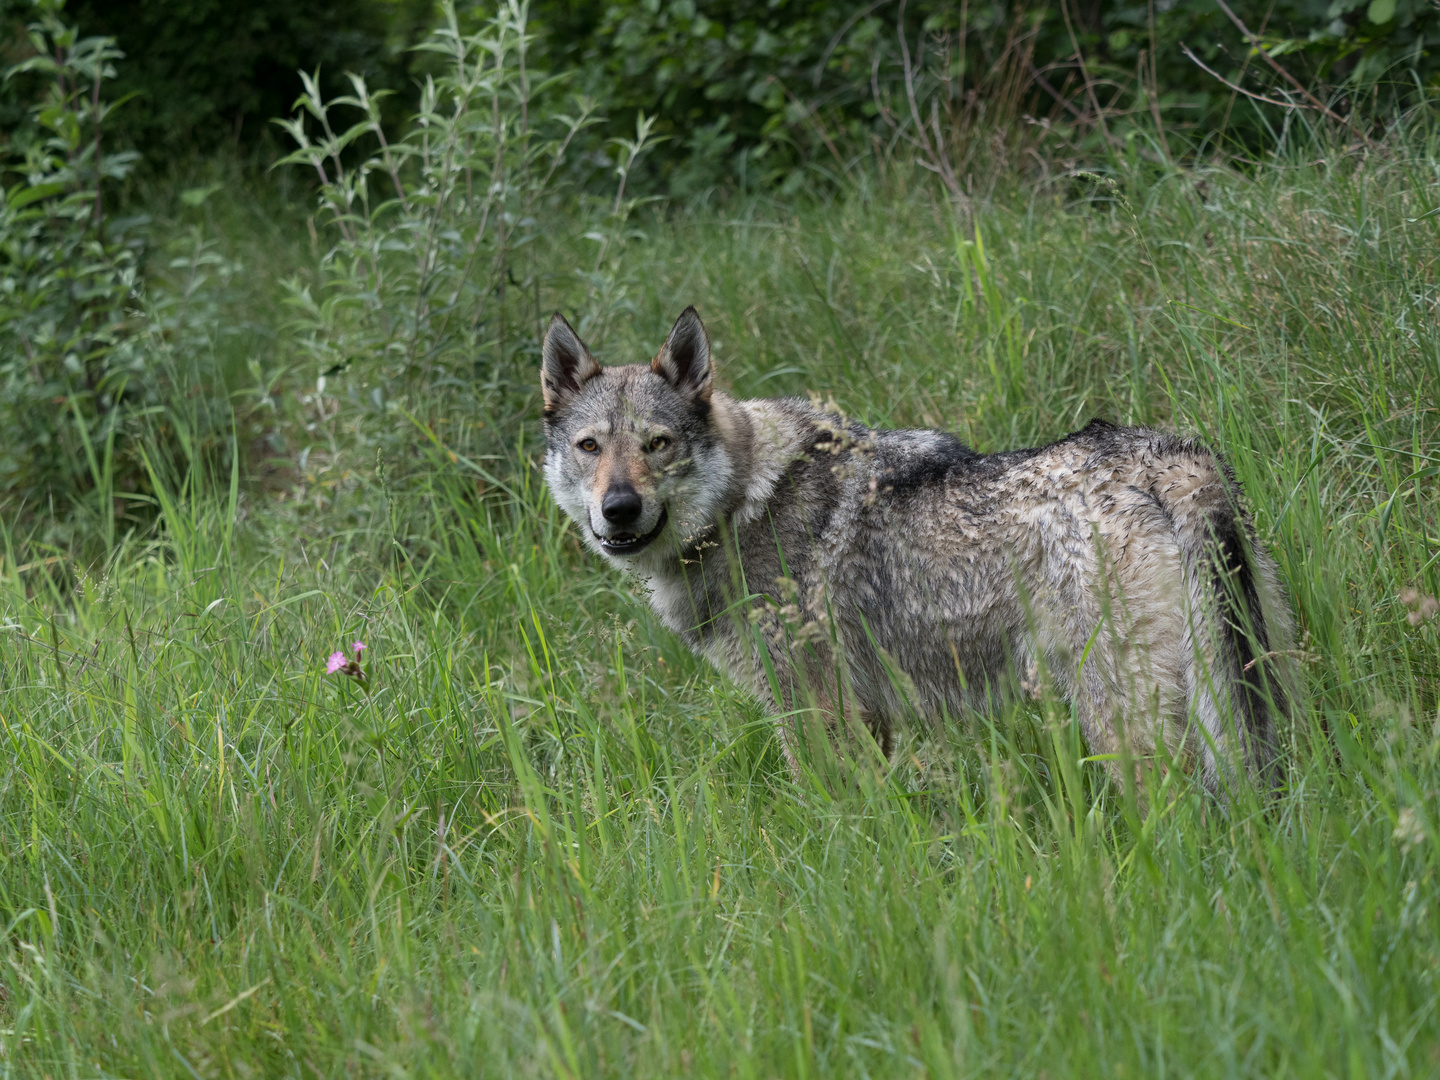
(632, 453)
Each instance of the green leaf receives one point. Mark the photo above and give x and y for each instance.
(24, 196)
(1381, 11)
(196, 196)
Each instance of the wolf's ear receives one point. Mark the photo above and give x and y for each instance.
(684, 359)
(565, 365)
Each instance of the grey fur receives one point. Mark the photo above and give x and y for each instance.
(886, 572)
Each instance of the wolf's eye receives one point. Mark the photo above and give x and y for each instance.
(590, 446)
(659, 442)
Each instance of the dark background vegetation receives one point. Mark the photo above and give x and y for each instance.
(753, 90)
(772, 97)
(210, 72)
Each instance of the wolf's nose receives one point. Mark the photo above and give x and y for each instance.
(621, 505)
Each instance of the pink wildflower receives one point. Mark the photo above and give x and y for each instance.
(338, 663)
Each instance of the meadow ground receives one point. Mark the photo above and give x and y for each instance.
(544, 840)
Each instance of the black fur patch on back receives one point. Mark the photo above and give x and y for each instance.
(932, 466)
(1097, 426)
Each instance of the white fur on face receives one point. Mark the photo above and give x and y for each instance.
(571, 493)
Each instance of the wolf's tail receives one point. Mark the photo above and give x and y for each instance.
(1241, 683)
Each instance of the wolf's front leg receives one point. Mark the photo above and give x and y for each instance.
(843, 732)
(801, 682)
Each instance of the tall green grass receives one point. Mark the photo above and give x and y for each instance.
(544, 840)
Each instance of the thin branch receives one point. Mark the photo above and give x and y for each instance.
(1085, 72)
(1284, 74)
(1238, 89)
(95, 116)
(886, 113)
(1153, 92)
(809, 114)
(936, 153)
(835, 41)
(1045, 85)
(1230, 105)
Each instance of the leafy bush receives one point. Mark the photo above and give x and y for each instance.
(433, 283)
(68, 357)
(752, 89)
(91, 362)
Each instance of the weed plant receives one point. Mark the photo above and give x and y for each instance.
(113, 340)
(540, 838)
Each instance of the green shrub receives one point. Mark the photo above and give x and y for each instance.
(68, 356)
(92, 362)
(756, 91)
(433, 284)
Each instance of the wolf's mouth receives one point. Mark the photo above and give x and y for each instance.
(629, 543)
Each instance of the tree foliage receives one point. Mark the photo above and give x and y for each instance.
(97, 361)
(208, 71)
(761, 85)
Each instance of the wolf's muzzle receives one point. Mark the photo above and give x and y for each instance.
(629, 544)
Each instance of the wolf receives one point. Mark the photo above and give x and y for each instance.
(866, 576)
